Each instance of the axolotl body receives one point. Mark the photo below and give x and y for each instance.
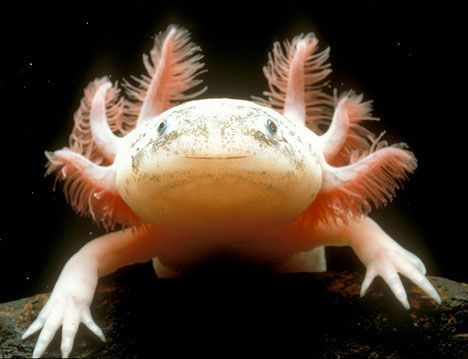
(261, 181)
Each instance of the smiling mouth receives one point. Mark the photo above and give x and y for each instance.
(215, 157)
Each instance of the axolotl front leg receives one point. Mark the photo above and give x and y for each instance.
(381, 255)
(88, 170)
(69, 303)
(359, 171)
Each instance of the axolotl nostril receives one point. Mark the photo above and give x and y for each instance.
(260, 180)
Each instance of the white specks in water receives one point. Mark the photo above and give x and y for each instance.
(406, 50)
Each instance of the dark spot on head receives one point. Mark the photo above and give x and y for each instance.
(280, 144)
(200, 130)
(165, 140)
(262, 138)
(134, 164)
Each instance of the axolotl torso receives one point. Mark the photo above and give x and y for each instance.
(260, 181)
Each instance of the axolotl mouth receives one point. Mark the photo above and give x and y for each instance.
(216, 157)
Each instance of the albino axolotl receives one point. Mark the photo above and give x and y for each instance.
(272, 181)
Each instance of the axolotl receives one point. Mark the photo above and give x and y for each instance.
(272, 180)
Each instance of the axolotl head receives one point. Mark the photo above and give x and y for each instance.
(219, 166)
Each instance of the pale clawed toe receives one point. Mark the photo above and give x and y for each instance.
(391, 261)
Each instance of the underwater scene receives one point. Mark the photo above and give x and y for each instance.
(201, 178)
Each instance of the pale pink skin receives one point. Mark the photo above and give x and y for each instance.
(344, 173)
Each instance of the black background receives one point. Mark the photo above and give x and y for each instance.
(408, 57)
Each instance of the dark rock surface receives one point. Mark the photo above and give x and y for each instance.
(256, 314)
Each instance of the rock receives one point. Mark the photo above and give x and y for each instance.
(255, 313)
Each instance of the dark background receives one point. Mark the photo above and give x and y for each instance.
(410, 58)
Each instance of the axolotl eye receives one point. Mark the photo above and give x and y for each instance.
(271, 126)
(162, 127)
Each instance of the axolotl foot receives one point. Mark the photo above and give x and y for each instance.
(390, 261)
(384, 257)
(68, 306)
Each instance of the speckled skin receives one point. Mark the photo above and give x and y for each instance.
(211, 148)
(217, 182)
(223, 177)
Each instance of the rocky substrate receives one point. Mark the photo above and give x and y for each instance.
(251, 313)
